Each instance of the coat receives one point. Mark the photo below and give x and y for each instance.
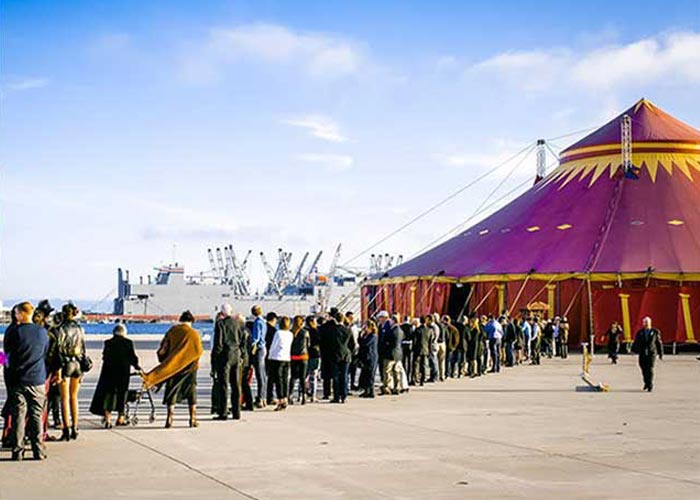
(647, 343)
(368, 354)
(228, 342)
(391, 347)
(118, 356)
(342, 344)
(421, 340)
(180, 350)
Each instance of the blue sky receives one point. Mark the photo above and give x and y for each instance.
(135, 131)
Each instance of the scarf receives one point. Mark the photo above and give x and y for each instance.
(180, 348)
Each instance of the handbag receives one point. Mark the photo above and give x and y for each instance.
(85, 363)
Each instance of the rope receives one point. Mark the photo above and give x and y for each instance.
(566, 312)
(439, 204)
(517, 297)
(484, 299)
(479, 210)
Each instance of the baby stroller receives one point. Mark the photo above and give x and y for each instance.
(133, 400)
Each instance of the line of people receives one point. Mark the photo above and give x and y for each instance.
(286, 357)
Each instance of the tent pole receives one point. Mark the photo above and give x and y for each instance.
(591, 334)
(466, 302)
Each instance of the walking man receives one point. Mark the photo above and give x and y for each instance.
(647, 344)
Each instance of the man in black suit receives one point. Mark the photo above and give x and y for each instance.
(647, 344)
(225, 364)
(342, 345)
(421, 351)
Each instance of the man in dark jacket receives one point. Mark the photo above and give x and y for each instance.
(26, 346)
(225, 364)
(647, 344)
(407, 345)
(326, 333)
(393, 354)
(453, 344)
(341, 348)
(421, 351)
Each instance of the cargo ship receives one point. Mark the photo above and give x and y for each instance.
(290, 290)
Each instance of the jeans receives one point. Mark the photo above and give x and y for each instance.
(433, 363)
(510, 354)
(23, 399)
(367, 375)
(455, 363)
(260, 374)
(495, 348)
(246, 376)
(299, 369)
(312, 370)
(340, 380)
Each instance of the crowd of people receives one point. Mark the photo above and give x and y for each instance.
(285, 356)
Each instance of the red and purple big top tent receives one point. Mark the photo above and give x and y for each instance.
(587, 241)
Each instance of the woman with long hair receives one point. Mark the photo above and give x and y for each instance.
(299, 358)
(70, 351)
(368, 358)
(279, 357)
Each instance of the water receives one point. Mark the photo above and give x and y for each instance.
(136, 328)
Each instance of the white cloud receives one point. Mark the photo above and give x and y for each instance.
(318, 126)
(21, 84)
(671, 57)
(315, 54)
(332, 162)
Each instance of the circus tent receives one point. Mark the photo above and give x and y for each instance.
(596, 240)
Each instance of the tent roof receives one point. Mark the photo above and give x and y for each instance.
(586, 217)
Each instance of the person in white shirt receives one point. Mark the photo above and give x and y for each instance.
(279, 358)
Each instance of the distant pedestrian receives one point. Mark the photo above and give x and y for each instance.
(647, 344)
(564, 337)
(614, 334)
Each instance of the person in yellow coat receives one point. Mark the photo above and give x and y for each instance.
(178, 357)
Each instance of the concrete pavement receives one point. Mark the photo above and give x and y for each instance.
(528, 432)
